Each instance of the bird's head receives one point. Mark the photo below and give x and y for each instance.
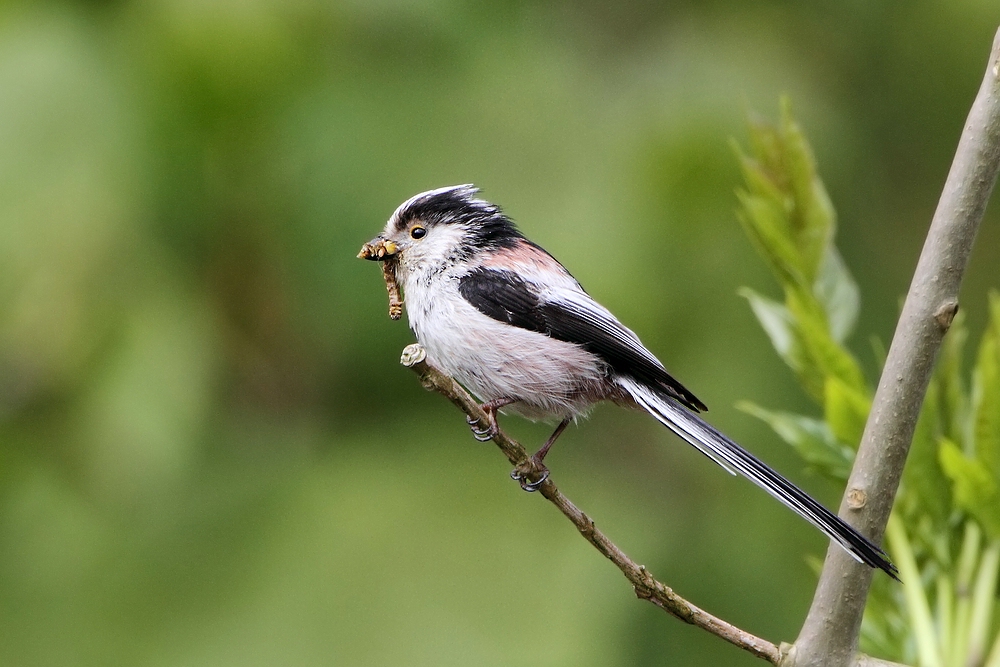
(441, 227)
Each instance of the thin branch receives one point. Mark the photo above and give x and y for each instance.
(646, 587)
(829, 635)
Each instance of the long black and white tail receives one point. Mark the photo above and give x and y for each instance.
(735, 459)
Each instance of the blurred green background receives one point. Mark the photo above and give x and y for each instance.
(209, 454)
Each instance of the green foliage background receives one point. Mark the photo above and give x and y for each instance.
(940, 613)
(208, 453)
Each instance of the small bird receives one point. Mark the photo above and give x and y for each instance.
(508, 321)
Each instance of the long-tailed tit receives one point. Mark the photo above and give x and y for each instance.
(504, 318)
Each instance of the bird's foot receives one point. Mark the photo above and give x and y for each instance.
(483, 434)
(491, 429)
(530, 474)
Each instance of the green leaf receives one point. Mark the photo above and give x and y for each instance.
(801, 337)
(811, 438)
(923, 478)
(776, 322)
(765, 144)
(837, 292)
(765, 222)
(759, 181)
(983, 601)
(917, 604)
(813, 219)
(975, 489)
(845, 410)
(955, 423)
(821, 352)
(785, 208)
(986, 393)
(789, 218)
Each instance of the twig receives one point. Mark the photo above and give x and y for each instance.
(646, 587)
(830, 633)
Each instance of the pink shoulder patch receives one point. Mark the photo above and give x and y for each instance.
(522, 254)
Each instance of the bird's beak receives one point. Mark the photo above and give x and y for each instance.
(378, 249)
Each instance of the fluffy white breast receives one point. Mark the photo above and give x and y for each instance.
(551, 379)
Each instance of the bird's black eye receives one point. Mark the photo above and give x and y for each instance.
(418, 232)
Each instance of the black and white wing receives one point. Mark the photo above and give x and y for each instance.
(571, 315)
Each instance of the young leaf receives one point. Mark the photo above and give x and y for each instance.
(986, 393)
(789, 218)
(837, 292)
(954, 396)
(845, 410)
(923, 479)
(975, 489)
(777, 323)
(765, 221)
(813, 217)
(820, 350)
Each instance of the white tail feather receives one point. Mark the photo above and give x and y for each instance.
(735, 459)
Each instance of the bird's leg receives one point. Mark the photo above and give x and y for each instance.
(539, 456)
(490, 408)
(534, 468)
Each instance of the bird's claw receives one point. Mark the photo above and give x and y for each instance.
(523, 475)
(484, 434)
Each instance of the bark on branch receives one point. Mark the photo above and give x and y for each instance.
(829, 635)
